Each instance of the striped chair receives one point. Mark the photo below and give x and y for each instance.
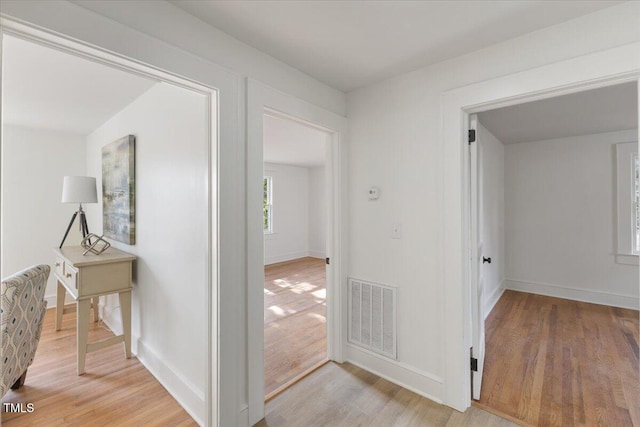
(21, 312)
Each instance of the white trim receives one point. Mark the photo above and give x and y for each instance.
(262, 100)
(52, 300)
(185, 393)
(285, 257)
(599, 69)
(317, 254)
(423, 383)
(566, 292)
(626, 151)
(493, 299)
(628, 259)
(243, 416)
(221, 115)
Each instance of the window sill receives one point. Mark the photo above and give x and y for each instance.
(628, 259)
(271, 235)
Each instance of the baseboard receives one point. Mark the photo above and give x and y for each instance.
(52, 300)
(595, 297)
(185, 393)
(243, 416)
(317, 254)
(493, 299)
(110, 315)
(419, 382)
(285, 257)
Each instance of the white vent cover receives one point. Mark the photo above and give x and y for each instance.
(372, 317)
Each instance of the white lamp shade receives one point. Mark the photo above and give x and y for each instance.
(79, 189)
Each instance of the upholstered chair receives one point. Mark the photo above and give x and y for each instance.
(22, 312)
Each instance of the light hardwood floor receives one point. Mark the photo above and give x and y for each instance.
(295, 321)
(114, 391)
(556, 362)
(345, 395)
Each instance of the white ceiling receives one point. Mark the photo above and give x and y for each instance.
(287, 142)
(350, 44)
(49, 89)
(601, 110)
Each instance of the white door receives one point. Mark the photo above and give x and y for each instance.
(477, 261)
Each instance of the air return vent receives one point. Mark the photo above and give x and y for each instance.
(372, 317)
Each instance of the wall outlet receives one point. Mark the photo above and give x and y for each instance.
(396, 231)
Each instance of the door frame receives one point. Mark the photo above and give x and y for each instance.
(591, 71)
(215, 131)
(261, 99)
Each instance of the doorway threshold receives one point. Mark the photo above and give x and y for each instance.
(294, 380)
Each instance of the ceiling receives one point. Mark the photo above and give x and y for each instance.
(49, 89)
(350, 44)
(287, 142)
(601, 110)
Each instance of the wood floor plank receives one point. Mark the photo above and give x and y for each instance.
(114, 391)
(556, 362)
(345, 395)
(295, 337)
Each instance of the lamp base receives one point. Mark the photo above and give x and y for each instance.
(83, 225)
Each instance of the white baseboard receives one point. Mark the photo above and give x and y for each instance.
(285, 257)
(52, 300)
(493, 299)
(422, 383)
(595, 297)
(185, 393)
(243, 416)
(317, 254)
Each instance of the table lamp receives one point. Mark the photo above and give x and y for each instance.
(78, 189)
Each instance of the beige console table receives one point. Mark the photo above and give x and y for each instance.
(85, 278)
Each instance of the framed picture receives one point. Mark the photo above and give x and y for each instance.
(118, 190)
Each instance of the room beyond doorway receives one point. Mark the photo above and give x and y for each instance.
(295, 211)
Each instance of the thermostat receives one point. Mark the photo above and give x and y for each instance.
(374, 193)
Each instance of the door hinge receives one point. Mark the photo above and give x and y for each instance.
(472, 136)
(474, 364)
(327, 260)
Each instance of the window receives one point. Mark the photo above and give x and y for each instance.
(628, 203)
(267, 201)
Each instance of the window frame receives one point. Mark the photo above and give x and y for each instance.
(627, 203)
(267, 212)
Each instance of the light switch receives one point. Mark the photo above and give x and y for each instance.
(396, 231)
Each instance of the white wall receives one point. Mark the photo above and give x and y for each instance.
(396, 143)
(317, 212)
(169, 313)
(560, 220)
(290, 237)
(299, 213)
(34, 161)
(492, 216)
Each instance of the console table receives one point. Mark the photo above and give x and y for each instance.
(85, 278)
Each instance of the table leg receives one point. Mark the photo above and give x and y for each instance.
(125, 312)
(60, 294)
(82, 324)
(94, 304)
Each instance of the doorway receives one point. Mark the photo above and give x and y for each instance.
(295, 239)
(554, 244)
(56, 153)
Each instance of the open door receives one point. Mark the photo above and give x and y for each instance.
(477, 260)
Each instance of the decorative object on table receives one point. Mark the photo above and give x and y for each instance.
(98, 246)
(118, 190)
(78, 189)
